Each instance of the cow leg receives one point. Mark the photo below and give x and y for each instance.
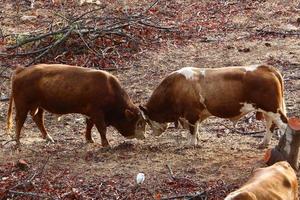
(194, 131)
(267, 138)
(20, 119)
(101, 127)
(38, 118)
(88, 133)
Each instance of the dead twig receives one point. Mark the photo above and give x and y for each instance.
(5, 143)
(156, 26)
(171, 172)
(51, 47)
(151, 6)
(115, 69)
(273, 32)
(241, 132)
(193, 196)
(33, 194)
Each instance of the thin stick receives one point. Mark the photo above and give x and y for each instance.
(171, 172)
(184, 196)
(151, 6)
(29, 194)
(243, 133)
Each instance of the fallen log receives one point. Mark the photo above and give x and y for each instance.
(288, 146)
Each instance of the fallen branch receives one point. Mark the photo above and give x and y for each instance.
(93, 33)
(51, 47)
(36, 38)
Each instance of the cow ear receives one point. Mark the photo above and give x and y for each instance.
(144, 112)
(129, 114)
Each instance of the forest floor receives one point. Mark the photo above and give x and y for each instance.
(230, 33)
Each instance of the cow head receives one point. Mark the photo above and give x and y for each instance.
(157, 128)
(133, 125)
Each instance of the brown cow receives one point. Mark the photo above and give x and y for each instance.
(193, 94)
(278, 181)
(63, 89)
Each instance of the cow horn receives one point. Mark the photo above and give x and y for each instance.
(143, 112)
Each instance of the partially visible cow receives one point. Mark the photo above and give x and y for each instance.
(193, 94)
(63, 89)
(278, 181)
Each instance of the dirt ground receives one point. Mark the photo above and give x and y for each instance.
(220, 163)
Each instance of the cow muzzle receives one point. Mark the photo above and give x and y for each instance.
(158, 128)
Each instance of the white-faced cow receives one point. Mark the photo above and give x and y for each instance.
(63, 89)
(193, 94)
(278, 181)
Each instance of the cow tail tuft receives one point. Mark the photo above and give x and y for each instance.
(9, 111)
(11, 100)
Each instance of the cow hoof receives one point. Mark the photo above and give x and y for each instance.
(49, 139)
(90, 141)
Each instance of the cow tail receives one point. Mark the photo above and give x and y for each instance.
(282, 110)
(11, 100)
(10, 108)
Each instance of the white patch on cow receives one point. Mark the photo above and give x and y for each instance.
(267, 138)
(251, 68)
(188, 72)
(202, 100)
(270, 117)
(277, 120)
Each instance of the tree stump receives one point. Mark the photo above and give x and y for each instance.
(288, 146)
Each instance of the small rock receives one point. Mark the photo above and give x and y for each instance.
(229, 47)
(267, 44)
(140, 178)
(22, 164)
(245, 50)
(28, 17)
